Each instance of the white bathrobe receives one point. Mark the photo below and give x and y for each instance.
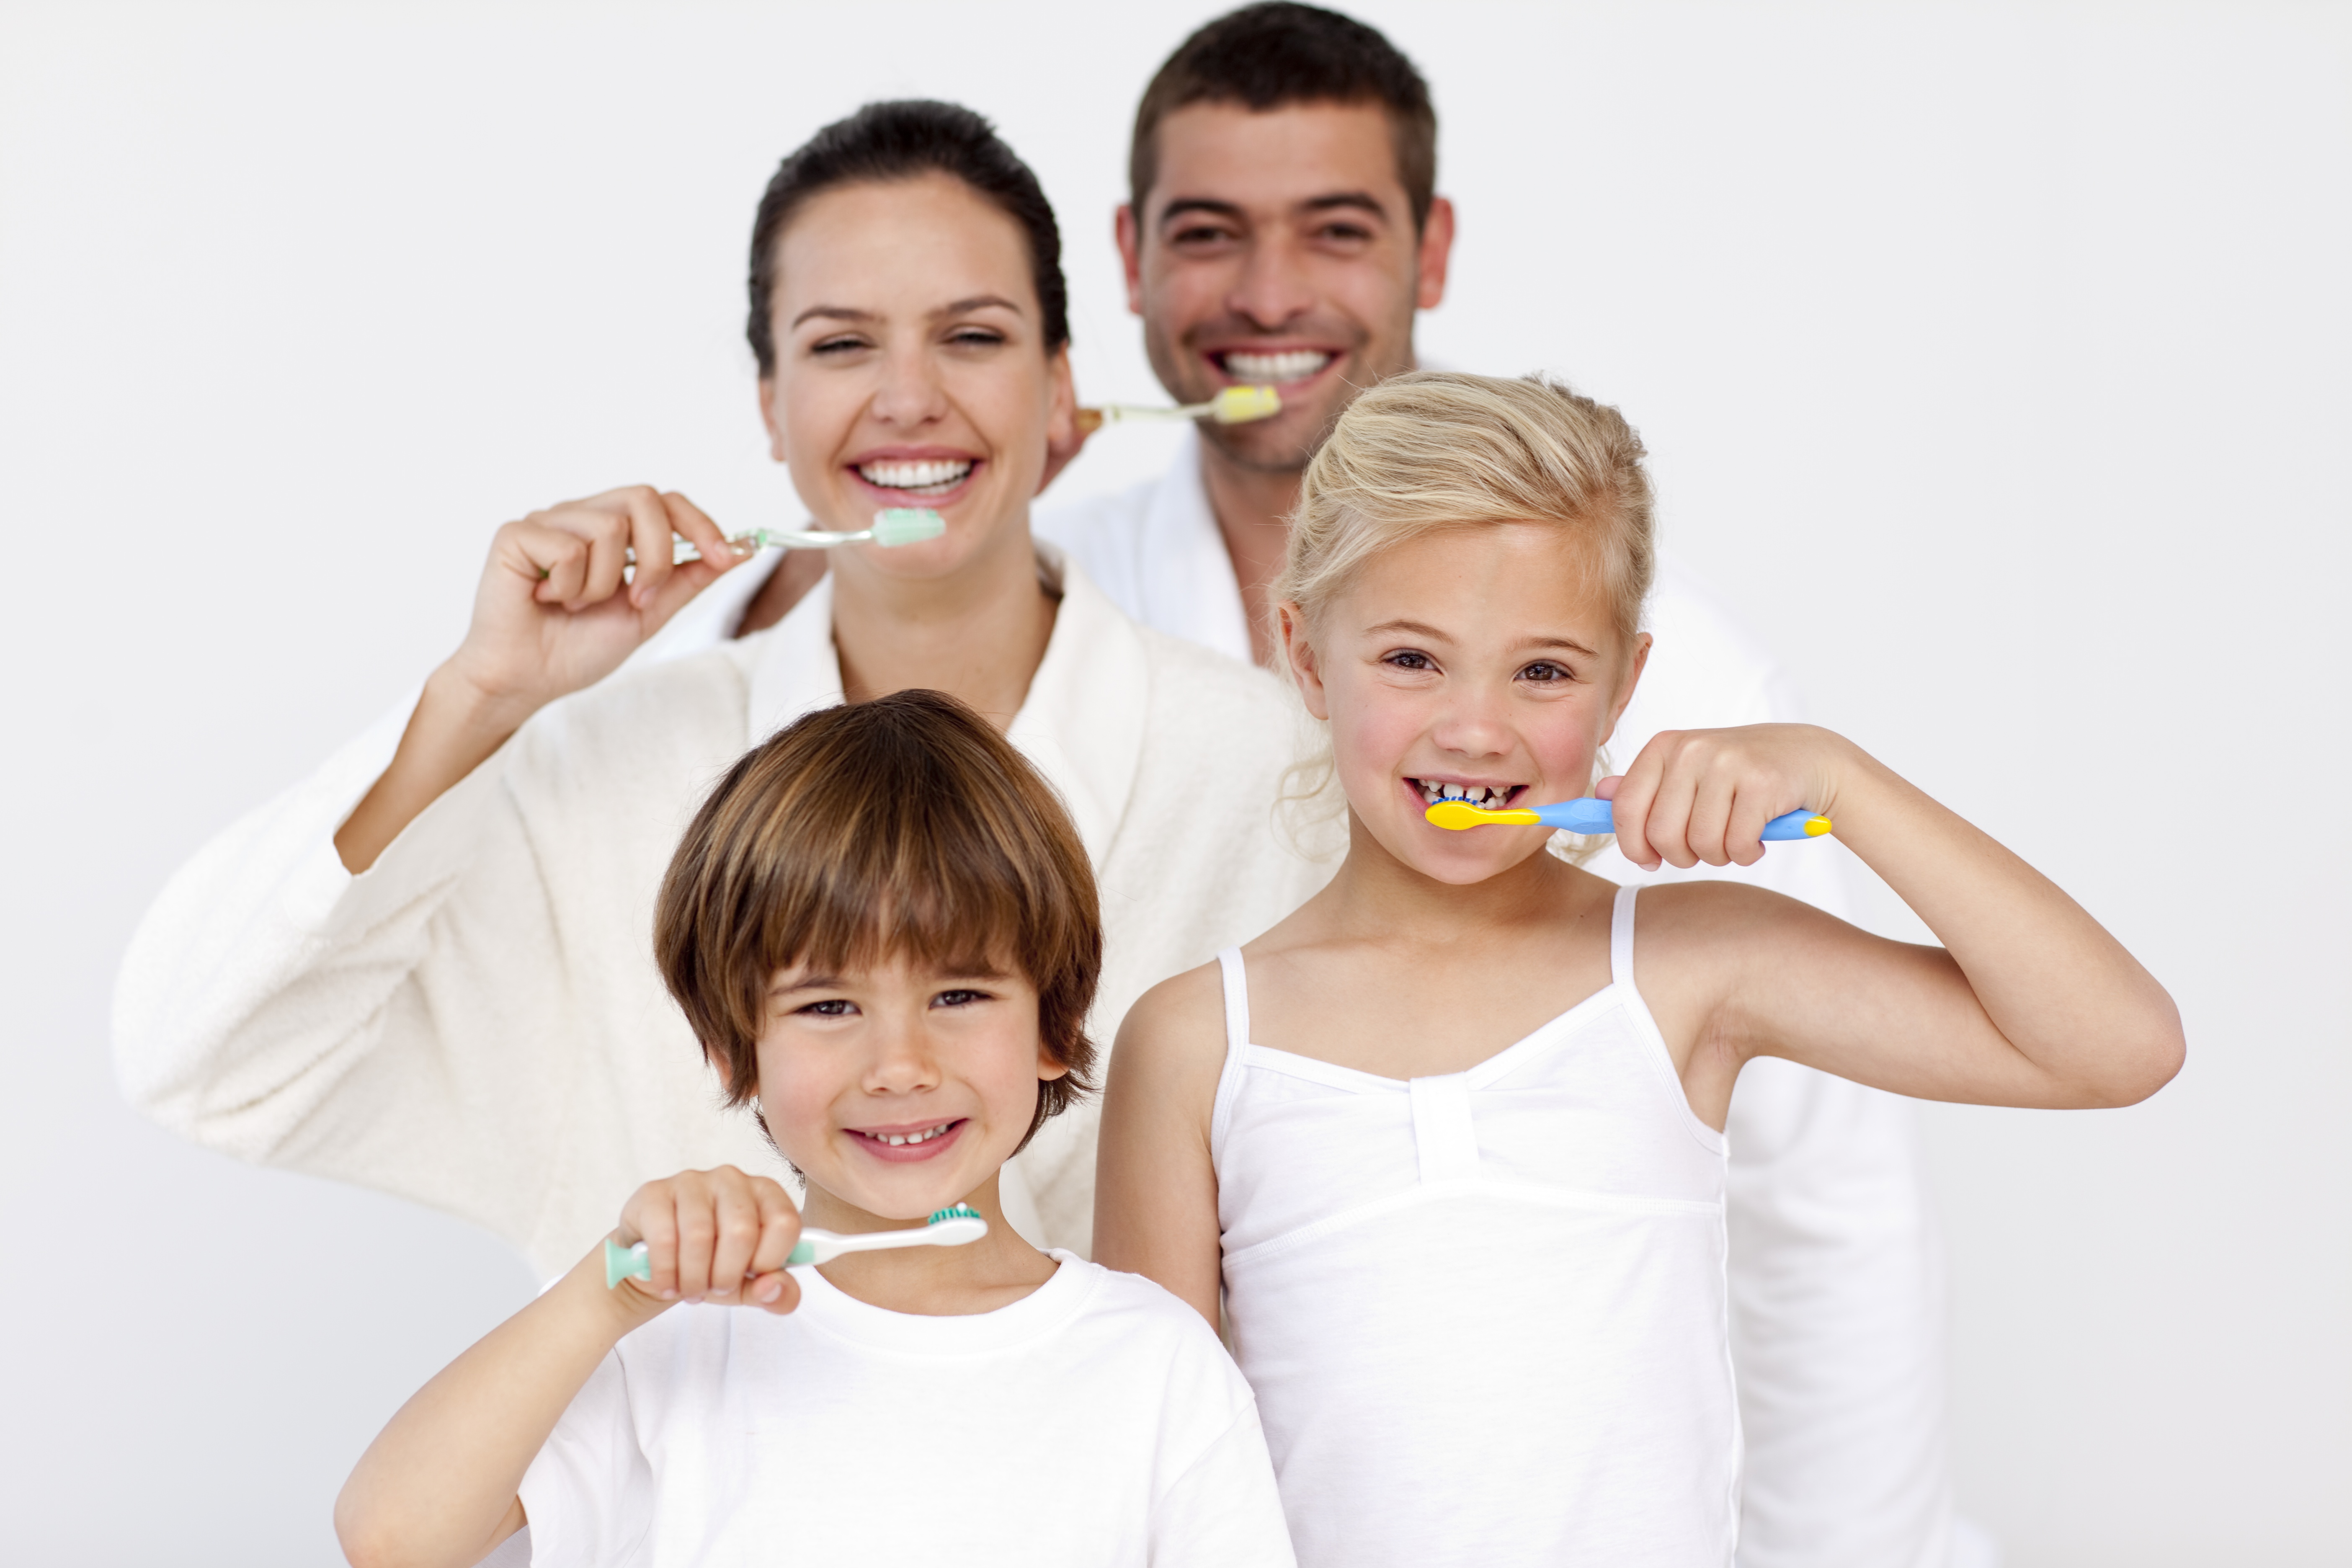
(476, 1022)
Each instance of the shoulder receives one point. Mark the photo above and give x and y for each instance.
(1152, 1326)
(1183, 1016)
(1714, 926)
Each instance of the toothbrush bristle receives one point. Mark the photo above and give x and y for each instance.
(1241, 404)
(907, 525)
(955, 1211)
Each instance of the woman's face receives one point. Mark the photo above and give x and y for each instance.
(911, 368)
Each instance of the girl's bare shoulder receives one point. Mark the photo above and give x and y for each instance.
(1178, 1024)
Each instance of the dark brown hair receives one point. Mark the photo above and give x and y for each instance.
(904, 140)
(903, 826)
(1267, 55)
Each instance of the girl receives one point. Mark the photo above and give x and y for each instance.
(424, 968)
(1446, 1144)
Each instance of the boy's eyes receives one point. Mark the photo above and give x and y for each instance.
(843, 1007)
(963, 997)
(831, 1008)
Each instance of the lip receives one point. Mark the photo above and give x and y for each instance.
(935, 500)
(863, 1139)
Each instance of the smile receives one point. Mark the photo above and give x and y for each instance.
(900, 1139)
(1488, 798)
(932, 477)
(1274, 369)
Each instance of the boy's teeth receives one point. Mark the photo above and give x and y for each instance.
(932, 477)
(897, 1139)
(1295, 365)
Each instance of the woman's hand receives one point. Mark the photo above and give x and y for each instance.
(1698, 795)
(558, 608)
(714, 1235)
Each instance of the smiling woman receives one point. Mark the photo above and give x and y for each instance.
(425, 968)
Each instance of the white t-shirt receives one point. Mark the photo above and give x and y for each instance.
(1095, 1423)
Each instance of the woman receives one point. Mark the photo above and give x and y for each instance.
(375, 976)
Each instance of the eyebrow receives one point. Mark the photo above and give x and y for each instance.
(959, 307)
(1420, 629)
(1335, 201)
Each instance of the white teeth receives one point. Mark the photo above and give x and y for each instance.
(930, 477)
(1490, 798)
(899, 1140)
(1297, 364)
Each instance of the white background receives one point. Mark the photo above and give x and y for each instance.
(1995, 361)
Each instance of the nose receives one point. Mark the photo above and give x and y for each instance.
(910, 393)
(1274, 288)
(901, 1060)
(1473, 724)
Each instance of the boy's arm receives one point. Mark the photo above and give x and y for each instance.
(1155, 1186)
(440, 1486)
(2030, 1002)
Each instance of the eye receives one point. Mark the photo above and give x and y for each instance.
(959, 998)
(831, 1008)
(1408, 659)
(1344, 234)
(1199, 236)
(1543, 671)
(976, 337)
(831, 346)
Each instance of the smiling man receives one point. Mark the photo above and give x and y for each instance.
(1283, 226)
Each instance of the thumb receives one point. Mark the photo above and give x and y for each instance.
(1607, 788)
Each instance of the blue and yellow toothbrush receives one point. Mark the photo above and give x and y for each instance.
(1594, 816)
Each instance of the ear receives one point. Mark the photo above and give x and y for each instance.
(1048, 1069)
(1632, 678)
(1062, 439)
(1299, 653)
(1436, 255)
(1129, 234)
(768, 418)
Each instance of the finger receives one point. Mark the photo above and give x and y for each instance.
(779, 1292)
(779, 1226)
(1630, 804)
(553, 560)
(650, 537)
(1607, 788)
(698, 1237)
(607, 533)
(651, 1217)
(690, 521)
(736, 1216)
(1751, 809)
(1666, 827)
(1709, 827)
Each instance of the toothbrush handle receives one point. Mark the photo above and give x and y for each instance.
(1592, 816)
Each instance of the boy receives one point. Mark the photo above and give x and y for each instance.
(883, 929)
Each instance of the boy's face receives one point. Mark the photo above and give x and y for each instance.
(1484, 656)
(900, 1090)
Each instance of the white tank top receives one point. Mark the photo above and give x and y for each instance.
(1485, 1313)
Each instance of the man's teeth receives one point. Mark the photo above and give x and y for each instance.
(933, 478)
(898, 1140)
(1274, 369)
(1488, 797)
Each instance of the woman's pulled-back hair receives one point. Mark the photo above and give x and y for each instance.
(904, 140)
(902, 826)
(1437, 449)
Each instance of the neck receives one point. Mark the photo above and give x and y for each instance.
(931, 1282)
(1380, 896)
(1252, 507)
(977, 635)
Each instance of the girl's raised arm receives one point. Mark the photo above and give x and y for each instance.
(2030, 1002)
(1155, 1187)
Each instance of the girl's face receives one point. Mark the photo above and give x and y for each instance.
(900, 1090)
(1483, 656)
(911, 369)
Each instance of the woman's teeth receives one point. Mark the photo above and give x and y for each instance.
(898, 1140)
(929, 479)
(1486, 797)
(1274, 369)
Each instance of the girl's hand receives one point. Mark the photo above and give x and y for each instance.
(554, 612)
(1706, 795)
(714, 1235)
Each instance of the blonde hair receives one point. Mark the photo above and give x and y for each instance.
(1438, 449)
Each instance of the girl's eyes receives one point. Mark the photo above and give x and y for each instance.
(1545, 671)
(1406, 659)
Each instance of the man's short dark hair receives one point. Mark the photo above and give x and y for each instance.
(904, 140)
(1265, 56)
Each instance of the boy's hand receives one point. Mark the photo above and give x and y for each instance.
(715, 1235)
(1706, 795)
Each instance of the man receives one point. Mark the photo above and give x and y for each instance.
(1283, 226)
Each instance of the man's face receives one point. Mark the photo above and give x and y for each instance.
(1279, 247)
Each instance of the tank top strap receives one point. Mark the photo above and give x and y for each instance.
(1236, 1002)
(1621, 939)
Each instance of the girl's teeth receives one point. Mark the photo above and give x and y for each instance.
(1483, 795)
(1295, 365)
(925, 479)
